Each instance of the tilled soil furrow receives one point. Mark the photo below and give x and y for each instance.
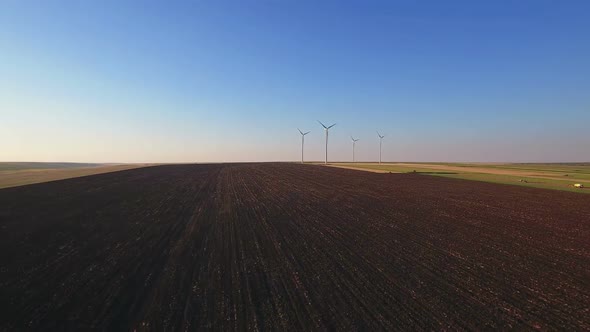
(291, 247)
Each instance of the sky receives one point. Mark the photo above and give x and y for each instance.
(220, 81)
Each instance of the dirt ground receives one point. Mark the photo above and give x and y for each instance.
(291, 247)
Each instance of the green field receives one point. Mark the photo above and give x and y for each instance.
(548, 176)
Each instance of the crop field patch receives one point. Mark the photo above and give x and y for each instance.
(291, 247)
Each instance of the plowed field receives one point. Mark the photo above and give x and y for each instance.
(293, 247)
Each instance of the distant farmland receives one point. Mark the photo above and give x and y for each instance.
(548, 176)
(13, 174)
(14, 166)
(287, 246)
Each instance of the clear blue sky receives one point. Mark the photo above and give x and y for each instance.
(183, 81)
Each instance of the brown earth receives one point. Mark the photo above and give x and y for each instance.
(291, 247)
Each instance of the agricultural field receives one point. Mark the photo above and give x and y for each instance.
(14, 174)
(291, 247)
(16, 166)
(547, 176)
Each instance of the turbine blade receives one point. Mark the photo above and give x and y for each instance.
(307, 133)
(300, 131)
(331, 126)
(322, 124)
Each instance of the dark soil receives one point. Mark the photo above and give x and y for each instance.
(291, 247)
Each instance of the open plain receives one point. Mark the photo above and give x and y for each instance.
(294, 247)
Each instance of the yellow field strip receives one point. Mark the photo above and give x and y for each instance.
(361, 169)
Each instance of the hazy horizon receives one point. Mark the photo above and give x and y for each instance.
(183, 81)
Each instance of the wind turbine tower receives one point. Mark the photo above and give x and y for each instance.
(353, 143)
(302, 142)
(326, 129)
(380, 143)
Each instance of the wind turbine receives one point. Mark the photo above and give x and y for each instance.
(302, 142)
(380, 143)
(353, 143)
(326, 129)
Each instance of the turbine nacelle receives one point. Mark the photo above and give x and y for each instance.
(302, 133)
(323, 125)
